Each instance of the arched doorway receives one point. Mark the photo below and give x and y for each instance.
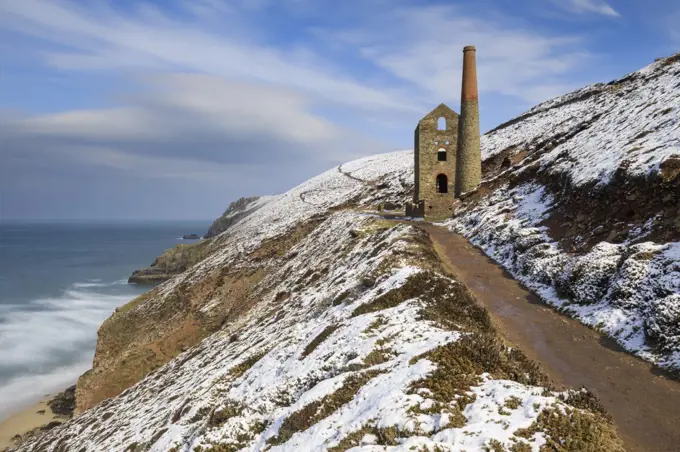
(442, 183)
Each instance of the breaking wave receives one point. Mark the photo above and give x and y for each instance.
(47, 343)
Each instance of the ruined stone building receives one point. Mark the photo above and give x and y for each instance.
(446, 152)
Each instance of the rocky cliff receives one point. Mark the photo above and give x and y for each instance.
(236, 211)
(183, 256)
(311, 324)
(170, 263)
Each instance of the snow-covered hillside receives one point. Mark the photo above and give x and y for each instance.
(361, 342)
(590, 133)
(311, 324)
(582, 203)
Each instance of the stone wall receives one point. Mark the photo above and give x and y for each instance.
(428, 141)
(415, 210)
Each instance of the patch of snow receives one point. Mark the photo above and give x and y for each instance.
(630, 292)
(172, 406)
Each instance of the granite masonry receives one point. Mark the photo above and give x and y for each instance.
(446, 152)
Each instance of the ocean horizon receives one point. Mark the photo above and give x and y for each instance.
(59, 280)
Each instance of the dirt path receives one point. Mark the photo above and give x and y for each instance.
(645, 406)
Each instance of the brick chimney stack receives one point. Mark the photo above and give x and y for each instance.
(469, 156)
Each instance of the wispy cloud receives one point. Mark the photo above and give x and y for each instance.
(414, 45)
(417, 45)
(250, 87)
(588, 7)
(189, 119)
(148, 39)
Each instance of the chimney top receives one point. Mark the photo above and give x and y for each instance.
(472, 48)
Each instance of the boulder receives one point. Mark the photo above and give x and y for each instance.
(64, 403)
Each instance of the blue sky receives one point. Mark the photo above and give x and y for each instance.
(172, 109)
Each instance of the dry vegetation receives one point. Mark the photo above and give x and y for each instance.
(314, 412)
(314, 343)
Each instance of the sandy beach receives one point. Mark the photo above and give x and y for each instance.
(35, 416)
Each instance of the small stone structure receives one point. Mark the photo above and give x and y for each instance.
(434, 151)
(446, 152)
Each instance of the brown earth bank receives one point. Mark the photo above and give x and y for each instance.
(645, 406)
(155, 327)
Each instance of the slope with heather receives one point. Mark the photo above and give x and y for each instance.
(227, 275)
(348, 334)
(581, 202)
(362, 343)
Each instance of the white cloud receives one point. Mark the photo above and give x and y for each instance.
(416, 46)
(588, 7)
(187, 125)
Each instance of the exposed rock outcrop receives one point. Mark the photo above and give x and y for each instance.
(236, 211)
(59, 410)
(171, 262)
(64, 403)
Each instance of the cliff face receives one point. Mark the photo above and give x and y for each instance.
(172, 262)
(183, 256)
(236, 211)
(310, 324)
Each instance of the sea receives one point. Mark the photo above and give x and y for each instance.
(58, 283)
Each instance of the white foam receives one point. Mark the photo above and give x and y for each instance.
(97, 283)
(46, 344)
(26, 390)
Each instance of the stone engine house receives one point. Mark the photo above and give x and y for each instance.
(434, 151)
(446, 151)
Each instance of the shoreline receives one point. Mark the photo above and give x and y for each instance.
(34, 419)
